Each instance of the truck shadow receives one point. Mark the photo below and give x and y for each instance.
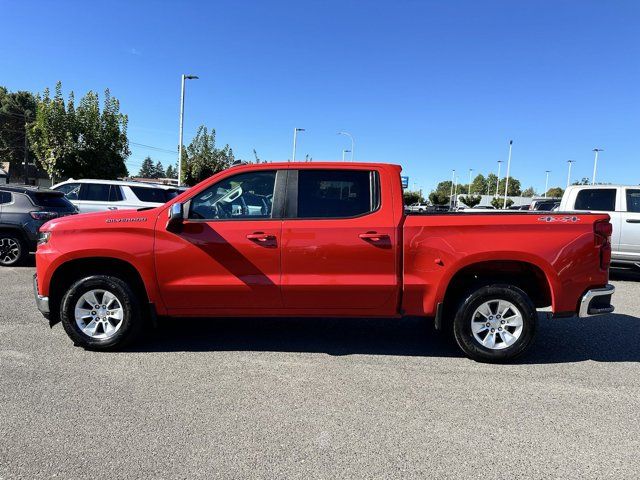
(627, 274)
(608, 338)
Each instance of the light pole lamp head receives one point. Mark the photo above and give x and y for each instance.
(300, 129)
(191, 77)
(598, 150)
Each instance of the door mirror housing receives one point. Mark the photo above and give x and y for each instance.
(176, 218)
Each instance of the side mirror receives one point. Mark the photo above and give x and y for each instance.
(174, 224)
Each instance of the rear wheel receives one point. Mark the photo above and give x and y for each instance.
(495, 323)
(101, 312)
(13, 251)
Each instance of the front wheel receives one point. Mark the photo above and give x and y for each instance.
(13, 251)
(101, 312)
(495, 323)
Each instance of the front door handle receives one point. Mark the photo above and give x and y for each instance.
(112, 208)
(374, 236)
(632, 220)
(261, 237)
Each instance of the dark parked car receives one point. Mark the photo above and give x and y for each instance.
(23, 210)
(545, 205)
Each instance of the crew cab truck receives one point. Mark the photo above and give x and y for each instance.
(319, 240)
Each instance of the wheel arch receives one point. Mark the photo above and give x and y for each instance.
(524, 274)
(73, 270)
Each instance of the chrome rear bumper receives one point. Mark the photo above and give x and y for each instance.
(597, 301)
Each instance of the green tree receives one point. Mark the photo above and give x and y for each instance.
(412, 197)
(439, 198)
(479, 185)
(147, 168)
(17, 110)
(171, 172)
(498, 202)
(529, 192)
(584, 181)
(80, 142)
(514, 187)
(470, 200)
(555, 192)
(158, 170)
(492, 180)
(201, 158)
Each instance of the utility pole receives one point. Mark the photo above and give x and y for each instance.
(546, 184)
(570, 162)
(295, 139)
(506, 185)
(498, 181)
(26, 153)
(453, 176)
(184, 77)
(595, 165)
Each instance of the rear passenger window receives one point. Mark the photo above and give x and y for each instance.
(96, 192)
(633, 200)
(5, 197)
(152, 195)
(602, 199)
(70, 190)
(336, 193)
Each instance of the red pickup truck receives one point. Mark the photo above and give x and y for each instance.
(320, 239)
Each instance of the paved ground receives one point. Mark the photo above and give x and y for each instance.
(317, 399)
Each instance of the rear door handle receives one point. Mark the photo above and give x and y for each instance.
(261, 236)
(112, 208)
(374, 236)
(632, 220)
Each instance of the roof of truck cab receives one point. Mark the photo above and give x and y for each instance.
(319, 164)
(120, 182)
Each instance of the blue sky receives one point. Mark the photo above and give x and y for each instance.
(430, 85)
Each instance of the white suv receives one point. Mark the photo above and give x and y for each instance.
(100, 195)
(622, 203)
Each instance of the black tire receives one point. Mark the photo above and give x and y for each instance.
(132, 321)
(472, 347)
(22, 254)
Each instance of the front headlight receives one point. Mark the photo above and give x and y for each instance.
(43, 237)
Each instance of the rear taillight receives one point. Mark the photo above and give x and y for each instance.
(43, 216)
(603, 230)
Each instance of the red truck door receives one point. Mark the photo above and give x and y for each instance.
(339, 243)
(227, 255)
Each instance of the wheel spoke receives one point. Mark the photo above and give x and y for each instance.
(83, 313)
(485, 310)
(478, 327)
(91, 328)
(514, 321)
(108, 298)
(117, 314)
(490, 340)
(90, 298)
(507, 338)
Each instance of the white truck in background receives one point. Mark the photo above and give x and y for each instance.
(622, 203)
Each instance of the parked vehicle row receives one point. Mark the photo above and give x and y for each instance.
(101, 195)
(317, 240)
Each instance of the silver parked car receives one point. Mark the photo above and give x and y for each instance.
(99, 195)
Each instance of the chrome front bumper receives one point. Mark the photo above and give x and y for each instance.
(597, 301)
(41, 302)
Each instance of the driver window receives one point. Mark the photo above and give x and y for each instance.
(244, 196)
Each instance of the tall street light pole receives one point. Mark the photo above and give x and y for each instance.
(595, 165)
(498, 180)
(570, 162)
(506, 185)
(470, 172)
(347, 134)
(453, 176)
(546, 183)
(184, 77)
(295, 139)
(344, 151)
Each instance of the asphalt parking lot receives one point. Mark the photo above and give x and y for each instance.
(317, 399)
